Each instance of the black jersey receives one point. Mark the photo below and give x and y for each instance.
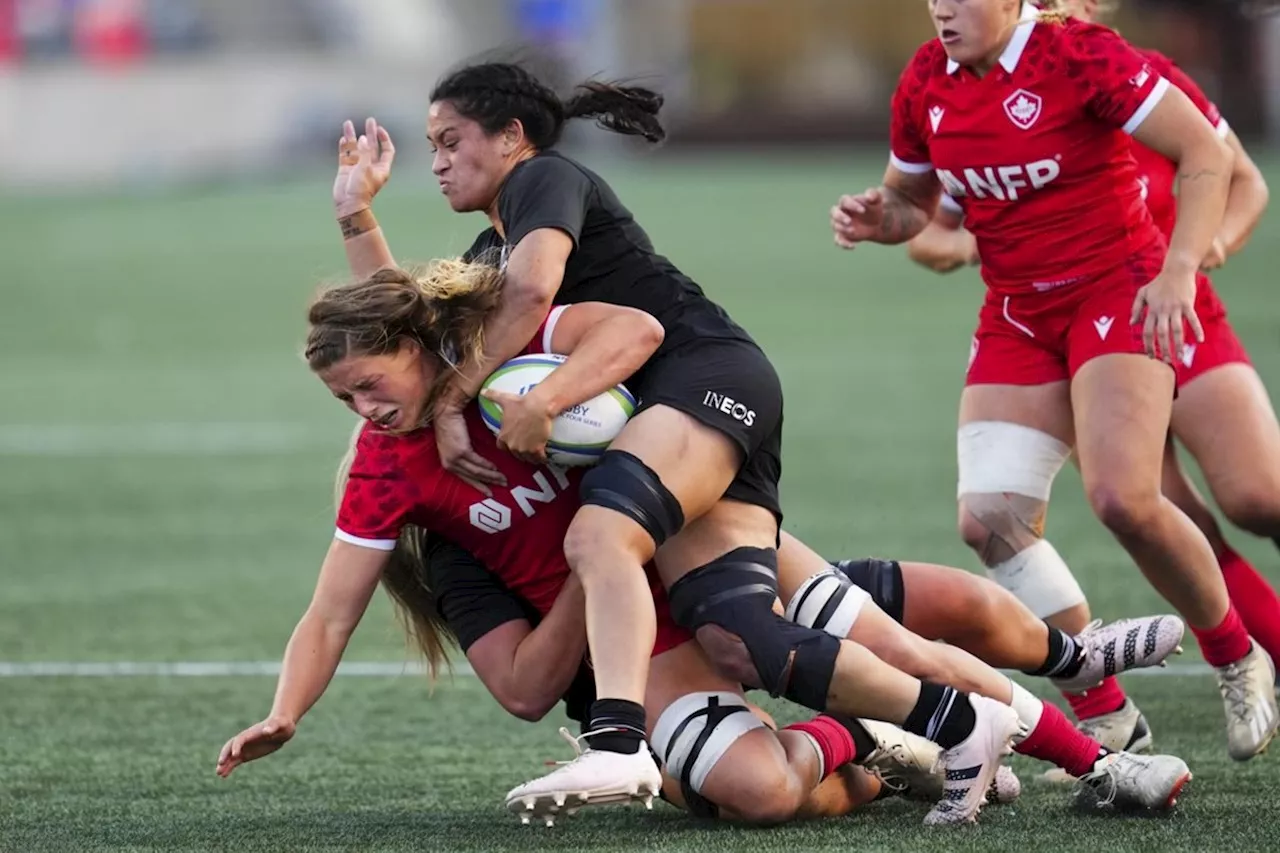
(612, 259)
(473, 601)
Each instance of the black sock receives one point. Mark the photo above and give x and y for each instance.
(1065, 656)
(619, 724)
(863, 743)
(942, 715)
(1276, 540)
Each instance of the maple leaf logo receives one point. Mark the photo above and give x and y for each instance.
(1023, 108)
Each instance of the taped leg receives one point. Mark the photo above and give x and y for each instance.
(728, 604)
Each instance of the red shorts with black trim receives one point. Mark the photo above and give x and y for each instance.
(1038, 338)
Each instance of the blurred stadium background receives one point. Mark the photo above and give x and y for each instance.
(165, 459)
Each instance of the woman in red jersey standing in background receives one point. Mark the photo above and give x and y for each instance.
(1025, 118)
(1222, 413)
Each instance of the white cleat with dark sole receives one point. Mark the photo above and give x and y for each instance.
(592, 778)
(1125, 730)
(1123, 645)
(1134, 782)
(970, 767)
(1250, 702)
(911, 766)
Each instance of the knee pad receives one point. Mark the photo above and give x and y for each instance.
(693, 733)
(827, 601)
(622, 483)
(736, 593)
(882, 580)
(996, 457)
(1040, 579)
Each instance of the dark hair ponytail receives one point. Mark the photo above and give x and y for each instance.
(494, 94)
(623, 109)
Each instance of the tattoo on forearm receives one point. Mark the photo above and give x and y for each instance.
(901, 220)
(357, 224)
(1195, 176)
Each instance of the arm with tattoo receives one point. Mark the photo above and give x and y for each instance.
(366, 247)
(1176, 129)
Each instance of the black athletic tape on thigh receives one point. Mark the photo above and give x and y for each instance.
(754, 577)
(654, 508)
(881, 579)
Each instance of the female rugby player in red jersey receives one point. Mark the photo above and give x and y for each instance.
(384, 346)
(1222, 412)
(1025, 118)
(375, 344)
(1222, 409)
(693, 478)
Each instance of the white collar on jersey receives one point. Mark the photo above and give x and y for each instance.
(1017, 44)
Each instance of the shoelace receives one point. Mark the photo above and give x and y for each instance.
(1233, 690)
(896, 782)
(576, 743)
(1088, 638)
(1096, 779)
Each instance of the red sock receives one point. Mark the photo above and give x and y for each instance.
(833, 740)
(1057, 741)
(1226, 643)
(1255, 599)
(1106, 698)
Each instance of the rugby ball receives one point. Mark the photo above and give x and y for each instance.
(582, 433)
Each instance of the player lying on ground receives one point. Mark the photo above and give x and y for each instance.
(1221, 414)
(697, 482)
(397, 479)
(686, 484)
(1054, 362)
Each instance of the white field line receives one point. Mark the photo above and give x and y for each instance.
(165, 439)
(366, 669)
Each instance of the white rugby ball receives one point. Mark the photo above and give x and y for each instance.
(582, 433)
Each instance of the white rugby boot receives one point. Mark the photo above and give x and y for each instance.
(1121, 646)
(1005, 788)
(1248, 696)
(593, 777)
(1125, 730)
(1134, 782)
(910, 766)
(904, 763)
(970, 766)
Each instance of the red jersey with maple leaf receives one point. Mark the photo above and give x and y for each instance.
(1037, 151)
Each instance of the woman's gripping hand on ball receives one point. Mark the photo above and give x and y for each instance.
(526, 423)
(258, 740)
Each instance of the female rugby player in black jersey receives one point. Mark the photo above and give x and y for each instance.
(692, 479)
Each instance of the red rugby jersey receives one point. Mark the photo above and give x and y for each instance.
(517, 533)
(1037, 151)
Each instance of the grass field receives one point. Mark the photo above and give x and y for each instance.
(165, 462)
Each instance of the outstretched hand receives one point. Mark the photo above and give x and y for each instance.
(364, 166)
(260, 739)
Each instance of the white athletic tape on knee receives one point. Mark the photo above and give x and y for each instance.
(1040, 579)
(1028, 707)
(827, 589)
(685, 719)
(997, 457)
